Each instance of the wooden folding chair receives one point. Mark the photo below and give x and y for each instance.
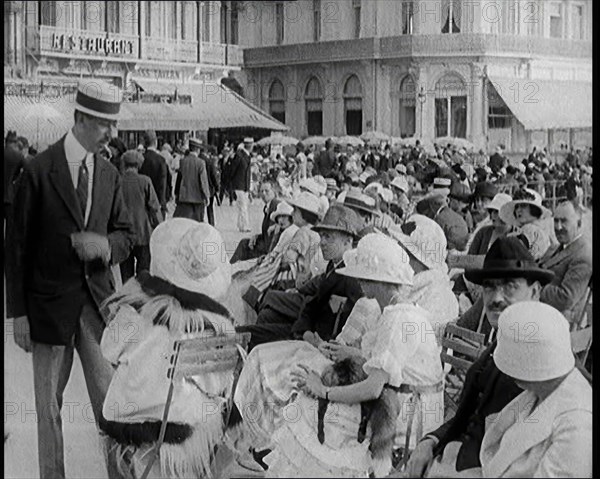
(197, 356)
(460, 349)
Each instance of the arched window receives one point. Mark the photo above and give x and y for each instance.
(353, 105)
(451, 107)
(451, 16)
(277, 101)
(313, 98)
(408, 95)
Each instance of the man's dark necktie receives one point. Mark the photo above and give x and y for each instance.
(82, 187)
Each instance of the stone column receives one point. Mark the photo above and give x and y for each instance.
(475, 105)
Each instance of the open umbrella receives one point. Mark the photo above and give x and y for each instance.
(314, 140)
(277, 140)
(375, 137)
(43, 115)
(349, 140)
(456, 142)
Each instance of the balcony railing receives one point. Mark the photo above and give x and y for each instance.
(82, 42)
(170, 50)
(213, 53)
(402, 46)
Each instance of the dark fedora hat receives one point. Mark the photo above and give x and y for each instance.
(340, 218)
(484, 189)
(509, 258)
(460, 192)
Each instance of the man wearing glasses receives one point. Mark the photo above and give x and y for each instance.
(509, 275)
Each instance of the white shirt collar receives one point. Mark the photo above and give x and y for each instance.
(74, 151)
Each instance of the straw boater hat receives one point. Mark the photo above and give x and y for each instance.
(308, 202)
(359, 201)
(525, 196)
(546, 354)
(195, 142)
(99, 99)
(283, 209)
(190, 255)
(340, 218)
(442, 185)
(509, 258)
(424, 239)
(378, 258)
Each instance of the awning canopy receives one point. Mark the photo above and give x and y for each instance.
(546, 104)
(213, 106)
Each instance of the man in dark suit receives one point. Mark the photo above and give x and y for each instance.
(191, 187)
(325, 161)
(13, 162)
(155, 167)
(435, 206)
(571, 263)
(239, 173)
(258, 245)
(289, 315)
(214, 182)
(70, 225)
(509, 275)
(497, 160)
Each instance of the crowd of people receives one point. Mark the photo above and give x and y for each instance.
(364, 257)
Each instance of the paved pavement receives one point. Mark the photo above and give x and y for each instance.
(82, 457)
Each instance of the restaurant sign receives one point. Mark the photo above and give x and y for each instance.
(93, 44)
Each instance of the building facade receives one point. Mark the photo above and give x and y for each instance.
(516, 72)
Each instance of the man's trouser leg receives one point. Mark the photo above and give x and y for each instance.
(51, 370)
(142, 257)
(127, 267)
(97, 371)
(242, 205)
(210, 212)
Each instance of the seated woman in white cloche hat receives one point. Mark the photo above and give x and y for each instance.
(400, 363)
(546, 431)
(180, 297)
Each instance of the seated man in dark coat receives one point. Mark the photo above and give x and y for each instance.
(258, 245)
(288, 315)
(509, 275)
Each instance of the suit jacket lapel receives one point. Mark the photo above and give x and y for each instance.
(554, 258)
(61, 179)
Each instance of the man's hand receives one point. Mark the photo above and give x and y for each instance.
(312, 338)
(338, 352)
(21, 333)
(420, 458)
(90, 246)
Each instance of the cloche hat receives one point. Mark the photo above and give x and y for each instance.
(190, 255)
(401, 183)
(534, 343)
(378, 257)
(308, 202)
(283, 209)
(499, 201)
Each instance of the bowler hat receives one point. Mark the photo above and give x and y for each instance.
(509, 258)
(340, 218)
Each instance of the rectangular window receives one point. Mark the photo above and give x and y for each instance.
(149, 19)
(556, 24)
(499, 117)
(112, 15)
(277, 110)
(356, 7)
(407, 17)
(279, 23)
(184, 18)
(317, 20)
(578, 28)
(314, 121)
(441, 117)
(224, 23)
(234, 23)
(458, 107)
(172, 20)
(206, 22)
(48, 14)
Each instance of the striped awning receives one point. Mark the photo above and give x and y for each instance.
(546, 104)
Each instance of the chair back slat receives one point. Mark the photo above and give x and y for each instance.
(201, 357)
(458, 363)
(465, 334)
(461, 347)
(212, 342)
(581, 339)
(201, 369)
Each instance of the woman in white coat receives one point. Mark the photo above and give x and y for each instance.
(547, 430)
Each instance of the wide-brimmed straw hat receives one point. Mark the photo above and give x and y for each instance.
(534, 342)
(308, 202)
(357, 200)
(190, 255)
(378, 257)
(310, 185)
(424, 239)
(283, 209)
(99, 99)
(525, 196)
(509, 258)
(401, 183)
(340, 218)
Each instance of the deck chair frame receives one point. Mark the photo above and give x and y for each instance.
(196, 356)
